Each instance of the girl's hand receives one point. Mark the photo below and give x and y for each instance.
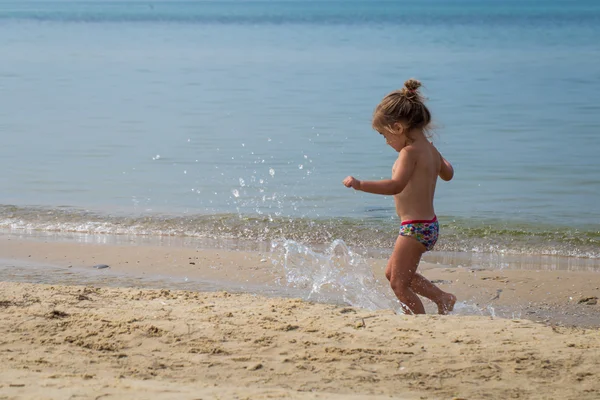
(351, 182)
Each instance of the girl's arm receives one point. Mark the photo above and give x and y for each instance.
(446, 170)
(405, 167)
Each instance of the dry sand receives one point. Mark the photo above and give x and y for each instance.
(59, 342)
(101, 343)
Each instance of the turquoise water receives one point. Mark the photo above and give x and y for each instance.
(240, 119)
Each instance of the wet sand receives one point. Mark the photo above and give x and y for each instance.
(554, 297)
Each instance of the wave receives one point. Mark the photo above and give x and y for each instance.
(457, 235)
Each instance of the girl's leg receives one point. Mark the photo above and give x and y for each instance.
(401, 270)
(422, 286)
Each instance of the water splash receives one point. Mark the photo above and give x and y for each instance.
(470, 308)
(464, 308)
(336, 274)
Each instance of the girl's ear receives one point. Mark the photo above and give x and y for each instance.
(398, 128)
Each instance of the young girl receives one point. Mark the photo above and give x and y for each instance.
(403, 119)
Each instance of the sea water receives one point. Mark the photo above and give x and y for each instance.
(239, 119)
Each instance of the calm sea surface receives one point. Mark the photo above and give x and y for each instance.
(239, 119)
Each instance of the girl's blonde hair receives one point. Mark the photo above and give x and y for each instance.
(406, 107)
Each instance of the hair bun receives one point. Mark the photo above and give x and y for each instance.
(412, 85)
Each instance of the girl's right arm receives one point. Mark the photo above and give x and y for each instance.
(405, 166)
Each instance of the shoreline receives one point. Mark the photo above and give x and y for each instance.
(507, 241)
(61, 341)
(549, 296)
(464, 258)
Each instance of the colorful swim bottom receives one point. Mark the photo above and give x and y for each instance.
(426, 232)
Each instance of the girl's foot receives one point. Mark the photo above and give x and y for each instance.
(446, 304)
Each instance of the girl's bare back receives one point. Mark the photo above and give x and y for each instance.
(415, 202)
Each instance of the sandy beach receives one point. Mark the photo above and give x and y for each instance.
(85, 342)
(88, 340)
